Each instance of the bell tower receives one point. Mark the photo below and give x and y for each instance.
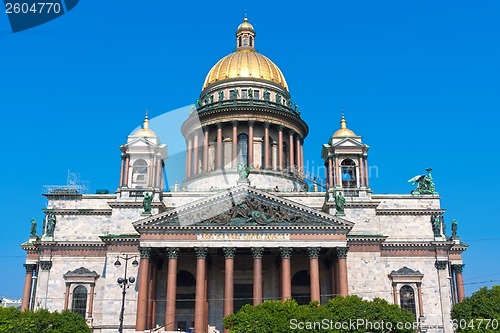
(143, 163)
(345, 157)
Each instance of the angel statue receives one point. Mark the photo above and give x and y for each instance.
(243, 171)
(148, 198)
(425, 184)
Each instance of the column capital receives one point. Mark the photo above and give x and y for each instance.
(251, 123)
(313, 252)
(458, 268)
(342, 252)
(173, 252)
(280, 128)
(219, 125)
(145, 252)
(441, 264)
(201, 252)
(267, 124)
(229, 252)
(29, 267)
(45, 265)
(286, 252)
(257, 252)
(205, 128)
(291, 132)
(234, 123)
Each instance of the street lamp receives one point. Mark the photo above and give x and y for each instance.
(125, 283)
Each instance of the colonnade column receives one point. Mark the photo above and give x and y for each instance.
(250, 143)
(158, 173)
(257, 253)
(188, 157)
(200, 298)
(219, 146)
(366, 171)
(302, 154)
(459, 281)
(361, 171)
(297, 157)
(290, 149)
(172, 253)
(228, 281)
(91, 299)
(127, 162)
(338, 173)
(342, 270)
(205, 148)
(280, 148)
(266, 146)
(286, 280)
(28, 283)
(314, 273)
(142, 295)
(151, 173)
(234, 145)
(122, 169)
(196, 162)
(330, 172)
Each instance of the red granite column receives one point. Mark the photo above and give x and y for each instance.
(297, 155)
(286, 279)
(122, 171)
(66, 296)
(257, 253)
(266, 146)
(127, 162)
(91, 299)
(228, 281)
(330, 172)
(250, 143)
(338, 173)
(280, 148)
(420, 302)
(142, 295)
(342, 267)
(234, 145)
(205, 149)
(291, 153)
(200, 298)
(28, 282)
(171, 288)
(189, 155)
(314, 273)
(366, 171)
(302, 154)
(361, 171)
(459, 281)
(219, 147)
(196, 162)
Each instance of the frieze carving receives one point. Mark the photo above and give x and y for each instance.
(229, 252)
(458, 268)
(201, 252)
(145, 252)
(342, 252)
(257, 252)
(173, 252)
(45, 265)
(441, 264)
(313, 252)
(286, 252)
(29, 268)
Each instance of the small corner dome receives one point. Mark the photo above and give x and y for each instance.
(145, 131)
(343, 131)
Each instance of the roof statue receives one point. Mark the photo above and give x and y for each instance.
(425, 184)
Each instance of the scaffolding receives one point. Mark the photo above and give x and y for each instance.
(74, 186)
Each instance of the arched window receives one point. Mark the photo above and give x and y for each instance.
(348, 173)
(239, 41)
(243, 149)
(140, 172)
(407, 298)
(79, 303)
(301, 284)
(251, 41)
(245, 40)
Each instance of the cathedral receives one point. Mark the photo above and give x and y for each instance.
(247, 224)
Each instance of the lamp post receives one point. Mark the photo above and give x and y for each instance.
(125, 283)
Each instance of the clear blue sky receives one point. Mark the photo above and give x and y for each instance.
(419, 80)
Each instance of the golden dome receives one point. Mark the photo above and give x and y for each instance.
(343, 131)
(145, 130)
(246, 62)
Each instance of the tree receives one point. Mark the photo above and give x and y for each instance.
(340, 314)
(13, 320)
(479, 312)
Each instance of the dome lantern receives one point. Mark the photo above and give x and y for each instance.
(245, 36)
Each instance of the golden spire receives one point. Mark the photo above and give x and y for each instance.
(145, 123)
(343, 131)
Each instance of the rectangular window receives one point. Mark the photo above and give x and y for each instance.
(256, 94)
(244, 93)
(232, 94)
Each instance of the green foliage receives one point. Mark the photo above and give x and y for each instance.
(353, 313)
(42, 321)
(479, 312)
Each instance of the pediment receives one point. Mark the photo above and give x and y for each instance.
(348, 142)
(243, 206)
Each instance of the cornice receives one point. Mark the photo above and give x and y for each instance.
(385, 211)
(81, 211)
(306, 229)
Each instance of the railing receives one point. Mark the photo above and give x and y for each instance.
(248, 102)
